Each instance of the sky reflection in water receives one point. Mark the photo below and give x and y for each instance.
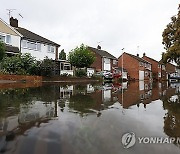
(88, 118)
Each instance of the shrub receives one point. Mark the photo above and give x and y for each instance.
(80, 73)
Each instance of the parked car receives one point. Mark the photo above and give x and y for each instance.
(105, 74)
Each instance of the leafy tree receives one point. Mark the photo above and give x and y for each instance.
(47, 67)
(2, 50)
(171, 40)
(81, 57)
(62, 55)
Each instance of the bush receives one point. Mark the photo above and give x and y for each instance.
(19, 64)
(2, 50)
(80, 73)
(47, 67)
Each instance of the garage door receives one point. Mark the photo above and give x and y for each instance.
(141, 75)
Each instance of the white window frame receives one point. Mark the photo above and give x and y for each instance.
(3, 36)
(24, 44)
(51, 49)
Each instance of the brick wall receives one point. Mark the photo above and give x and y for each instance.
(97, 63)
(131, 65)
(21, 78)
(170, 68)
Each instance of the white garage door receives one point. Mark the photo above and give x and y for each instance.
(141, 75)
(107, 64)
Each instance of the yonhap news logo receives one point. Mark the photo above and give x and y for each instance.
(129, 140)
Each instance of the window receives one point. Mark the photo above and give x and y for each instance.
(39, 46)
(8, 39)
(114, 62)
(24, 43)
(141, 63)
(159, 66)
(67, 67)
(2, 38)
(31, 45)
(159, 74)
(50, 48)
(163, 67)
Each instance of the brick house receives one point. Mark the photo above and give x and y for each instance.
(137, 68)
(104, 61)
(158, 68)
(171, 70)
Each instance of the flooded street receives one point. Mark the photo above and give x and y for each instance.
(89, 118)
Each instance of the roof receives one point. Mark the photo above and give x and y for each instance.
(12, 28)
(137, 58)
(102, 53)
(34, 37)
(152, 59)
(12, 49)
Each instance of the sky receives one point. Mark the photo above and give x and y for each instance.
(135, 25)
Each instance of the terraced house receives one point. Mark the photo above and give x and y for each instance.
(137, 68)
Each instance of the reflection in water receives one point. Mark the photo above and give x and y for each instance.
(86, 118)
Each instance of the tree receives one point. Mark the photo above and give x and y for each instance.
(47, 67)
(2, 50)
(171, 40)
(81, 57)
(62, 55)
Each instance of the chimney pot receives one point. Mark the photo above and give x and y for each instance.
(99, 47)
(13, 22)
(137, 55)
(144, 54)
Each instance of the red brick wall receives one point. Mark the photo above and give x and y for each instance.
(170, 68)
(131, 65)
(97, 63)
(21, 78)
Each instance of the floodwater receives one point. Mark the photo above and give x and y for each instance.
(89, 118)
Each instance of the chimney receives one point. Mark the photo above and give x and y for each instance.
(99, 47)
(137, 55)
(144, 54)
(13, 22)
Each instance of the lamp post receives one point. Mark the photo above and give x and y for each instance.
(122, 79)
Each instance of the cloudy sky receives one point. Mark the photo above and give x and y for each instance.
(114, 24)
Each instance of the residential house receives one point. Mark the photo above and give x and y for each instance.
(137, 68)
(104, 61)
(20, 40)
(38, 46)
(10, 37)
(158, 68)
(172, 70)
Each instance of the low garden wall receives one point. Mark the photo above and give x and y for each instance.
(21, 78)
